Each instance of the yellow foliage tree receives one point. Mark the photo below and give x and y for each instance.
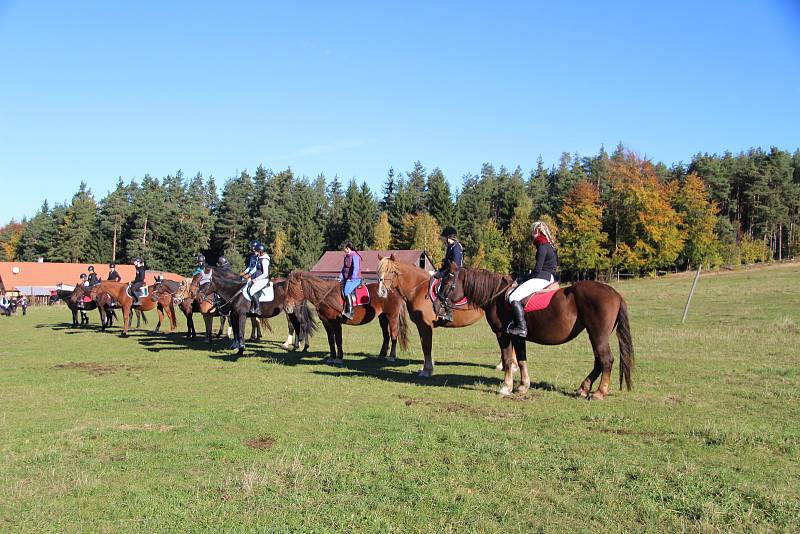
(421, 231)
(278, 251)
(383, 233)
(581, 241)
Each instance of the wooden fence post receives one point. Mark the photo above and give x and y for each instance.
(689, 300)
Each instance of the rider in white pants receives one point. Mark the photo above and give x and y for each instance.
(261, 279)
(542, 276)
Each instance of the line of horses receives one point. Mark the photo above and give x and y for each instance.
(403, 292)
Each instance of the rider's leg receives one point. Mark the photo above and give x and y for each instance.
(349, 287)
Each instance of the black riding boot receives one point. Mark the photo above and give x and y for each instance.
(447, 311)
(518, 327)
(254, 306)
(347, 309)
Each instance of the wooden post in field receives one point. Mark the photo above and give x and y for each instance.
(689, 300)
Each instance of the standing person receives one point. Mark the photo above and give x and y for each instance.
(113, 275)
(22, 301)
(542, 275)
(349, 277)
(4, 305)
(138, 281)
(260, 278)
(92, 279)
(454, 254)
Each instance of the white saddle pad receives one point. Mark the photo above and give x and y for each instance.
(267, 294)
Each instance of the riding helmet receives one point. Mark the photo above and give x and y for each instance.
(112, 265)
(260, 248)
(222, 261)
(254, 244)
(83, 275)
(91, 268)
(448, 231)
(201, 259)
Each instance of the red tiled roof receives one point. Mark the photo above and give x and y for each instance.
(35, 274)
(331, 262)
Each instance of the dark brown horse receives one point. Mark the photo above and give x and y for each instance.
(119, 292)
(325, 296)
(228, 287)
(103, 302)
(66, 296)
(411, 283)
(592, 306)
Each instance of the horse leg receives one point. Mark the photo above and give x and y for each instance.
(331, 341)
(241, 322)
(514, 354)
(338, 331)
(126, 319)
(426, 337)
(603, 362)
(160, 312)
(290, 337)
(74, 318)
(384, 322)
(208, 320)
(394, 333)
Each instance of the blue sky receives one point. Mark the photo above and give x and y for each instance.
(96, 90)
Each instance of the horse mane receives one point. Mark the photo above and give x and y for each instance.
(315, 288)
(482, 286)
(387, 266)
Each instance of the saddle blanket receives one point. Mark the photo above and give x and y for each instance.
(143, 292)
(362, 296)
(539, 301)
(87, 299)
(267, 294)
(435, 284)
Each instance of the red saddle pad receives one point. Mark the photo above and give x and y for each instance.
(539, 301)
(434, 297)
(362, 296)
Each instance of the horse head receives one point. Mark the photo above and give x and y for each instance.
(294, 291)
(388, 271)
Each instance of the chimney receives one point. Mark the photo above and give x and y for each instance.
(40, 259)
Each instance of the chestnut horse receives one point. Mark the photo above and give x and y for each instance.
(412, 283)
(325, 296)
(587, 305)
(119, 292)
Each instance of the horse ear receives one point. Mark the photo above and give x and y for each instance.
(380, 257)
(391, 257)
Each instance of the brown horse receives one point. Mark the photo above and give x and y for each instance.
(119, 292)
(592, 306)
(325, 296)
(412, 283)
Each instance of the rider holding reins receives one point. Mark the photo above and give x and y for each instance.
(454, 254)
(349, 277)
(257, 272)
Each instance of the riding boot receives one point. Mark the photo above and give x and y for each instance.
(347, 310)
(518, 327)
(254, 304)
(447, 311)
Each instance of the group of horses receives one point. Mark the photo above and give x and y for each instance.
(403, 291)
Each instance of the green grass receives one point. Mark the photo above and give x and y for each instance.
(150, 433)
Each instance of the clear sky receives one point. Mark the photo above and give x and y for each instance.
(96, 90)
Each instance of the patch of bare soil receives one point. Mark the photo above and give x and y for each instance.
(455, 407)
(96, 369)
(260, 443)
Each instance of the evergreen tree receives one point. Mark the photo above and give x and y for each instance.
(438, 197)
(537, 188)
(335, 229)
(114, 211)
(416, 187)
(493, 251)
(75, 244)
(361, 211)
(389, 191)
(38, 237)
(274, 212)
(305, 235)
(230, 229)
(400, 206)
(523, 253)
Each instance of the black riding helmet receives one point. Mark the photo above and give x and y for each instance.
(260, 248)
(254, 244)
(222, 261)
(112, 265)
(448, 232)
(91, 268)
(201, 259)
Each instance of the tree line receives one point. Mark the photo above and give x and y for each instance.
(609, 212)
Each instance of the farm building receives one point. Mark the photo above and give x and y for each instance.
(330, 263)
(38, 279)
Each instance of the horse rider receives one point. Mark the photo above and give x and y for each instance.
(259, 278)
(223, 264)
(138, 281)
(113, 275)
(85, 283)
(92, 279)
(454, 254)
(542, 275)
(349, 277)
(250, 263)
(200, 268)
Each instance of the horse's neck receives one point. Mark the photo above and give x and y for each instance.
(419, 282)
(318, 290)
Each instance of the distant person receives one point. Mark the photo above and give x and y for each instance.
(349, 277)
(542, 275)
(138, 281)
(113, 275)
(93, 279)
(22, 302)
(5, 305)
(259, 279)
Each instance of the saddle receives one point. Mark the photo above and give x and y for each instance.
(143, 292)
(359, 297)
(432, 292)
(537, 300)
(267, 294)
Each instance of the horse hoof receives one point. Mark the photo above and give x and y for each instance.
(498, 367)
(505, 391)
(522, 390)
(391, 359)
(597, 396)
(425, 373)
(581, 394)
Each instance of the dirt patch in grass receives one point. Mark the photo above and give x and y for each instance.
(146, 426)
(260, 443)
(456, 407)
(96, 369)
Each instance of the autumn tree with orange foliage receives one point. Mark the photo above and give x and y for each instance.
(699, 217)
(581, 245)
(645, 225)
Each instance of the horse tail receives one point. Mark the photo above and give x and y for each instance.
(264, 322)
(402, 325)
(625, 345)
(308, 320)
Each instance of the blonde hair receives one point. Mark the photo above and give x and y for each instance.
(542, 227)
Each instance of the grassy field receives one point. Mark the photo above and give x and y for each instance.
(155, 433)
